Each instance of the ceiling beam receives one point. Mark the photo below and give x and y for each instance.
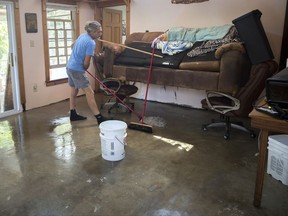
(104, 3)
(110, 3)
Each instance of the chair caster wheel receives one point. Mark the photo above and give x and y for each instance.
(226, 136)
(252, 135)
(204, 128)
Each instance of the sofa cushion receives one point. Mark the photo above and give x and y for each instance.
(211, 66)
(204, 62)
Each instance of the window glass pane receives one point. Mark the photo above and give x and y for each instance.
(50, 25)
(52, 52)
(69, 34)
(61, 51)
(51, 34)
(69, 42)
(52, 42)
(60, 34)
(58, 73)
(53, 61)
(69, 52)
(59, 25)
(61, 43)
(53, 13)
(68, 25)
(62, 60)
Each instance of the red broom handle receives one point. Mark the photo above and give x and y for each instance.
(147, 86)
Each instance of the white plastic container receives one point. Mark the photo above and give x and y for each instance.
(113, 149)
(113, 139)
(277, 165)
(113, 128)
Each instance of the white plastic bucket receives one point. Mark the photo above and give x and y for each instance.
(113, 149)
(112, 128)
(277, 165)
(113, 139)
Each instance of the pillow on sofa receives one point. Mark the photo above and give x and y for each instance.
(132, 57)
(135, 58)
(204, 62)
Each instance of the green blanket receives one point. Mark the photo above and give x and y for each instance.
(198, 34)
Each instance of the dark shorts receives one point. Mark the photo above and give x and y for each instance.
(77, 79)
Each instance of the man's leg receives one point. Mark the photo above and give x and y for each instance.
(73, 114)
(93, 105)
(73, 95)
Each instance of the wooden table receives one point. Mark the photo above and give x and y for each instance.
(267, 124)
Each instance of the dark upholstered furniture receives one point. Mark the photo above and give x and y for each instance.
(227, 69)
(114, 86)
(241, 104)
(226, 72)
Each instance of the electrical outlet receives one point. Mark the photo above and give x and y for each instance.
(35, 88)
(32, 44)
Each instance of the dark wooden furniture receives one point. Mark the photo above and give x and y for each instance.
(266, 124)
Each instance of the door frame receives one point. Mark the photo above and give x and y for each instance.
(98, 14)
(113, 33)
(13, 60)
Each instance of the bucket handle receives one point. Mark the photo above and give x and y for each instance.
(123, 143)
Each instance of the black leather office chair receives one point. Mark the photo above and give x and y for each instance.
(241, 103)
(119, 87)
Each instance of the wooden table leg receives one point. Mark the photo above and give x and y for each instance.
(261, 167)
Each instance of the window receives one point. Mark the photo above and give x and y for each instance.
(60, 34)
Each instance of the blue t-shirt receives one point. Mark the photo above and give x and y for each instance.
(84, 45)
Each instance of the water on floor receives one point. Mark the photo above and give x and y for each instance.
(50, 166)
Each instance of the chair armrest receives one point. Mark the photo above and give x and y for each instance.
(221, 102)
(110, 86)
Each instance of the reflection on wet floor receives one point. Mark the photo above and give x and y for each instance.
(63, 139)
(11, 141)
(181, 145)
(6, 138)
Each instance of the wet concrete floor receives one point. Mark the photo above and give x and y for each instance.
(50, 166)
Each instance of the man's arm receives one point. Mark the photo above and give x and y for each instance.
(87, 62)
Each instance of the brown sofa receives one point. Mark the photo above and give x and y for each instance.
(227, 71)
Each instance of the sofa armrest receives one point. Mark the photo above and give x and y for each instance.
(115, 48)
(109, 57)
(228, 47)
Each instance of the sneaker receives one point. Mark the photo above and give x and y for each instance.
(101, 118)
(75, 117)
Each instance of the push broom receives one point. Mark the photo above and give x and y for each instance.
(136, 125)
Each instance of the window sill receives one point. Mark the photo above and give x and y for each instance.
(56, 82)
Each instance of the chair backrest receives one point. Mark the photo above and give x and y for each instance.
(249, 93)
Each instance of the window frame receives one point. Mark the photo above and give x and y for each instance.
(45, 5)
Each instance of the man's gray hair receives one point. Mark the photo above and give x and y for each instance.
(92, 26)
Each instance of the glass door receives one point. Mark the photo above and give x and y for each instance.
(9, 85)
